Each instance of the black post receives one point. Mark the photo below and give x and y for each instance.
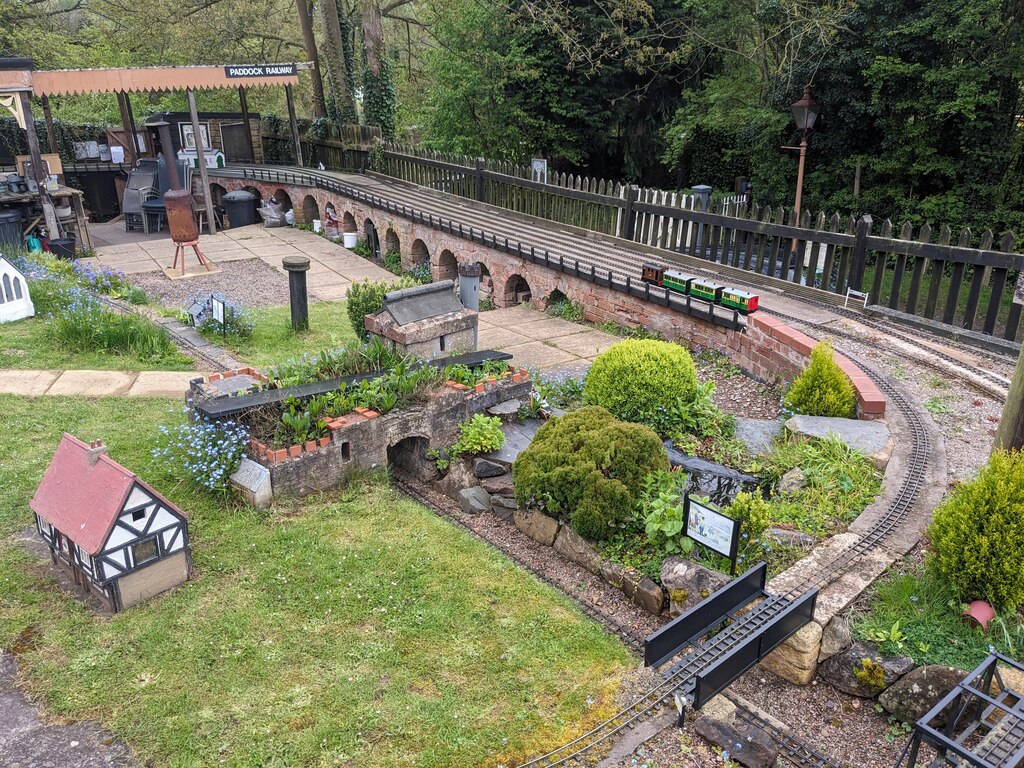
(859, 256)
(628, 220)
(480, 162)
(296, 267)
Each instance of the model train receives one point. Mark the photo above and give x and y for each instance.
(700, 288)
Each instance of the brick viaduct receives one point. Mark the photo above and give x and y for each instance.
(766, 348)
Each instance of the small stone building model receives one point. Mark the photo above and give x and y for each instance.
(121, 540)
(15, 303)
(427, 321)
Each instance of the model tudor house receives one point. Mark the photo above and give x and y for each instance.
(122, 540)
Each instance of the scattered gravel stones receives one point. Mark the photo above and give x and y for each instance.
(251, 283)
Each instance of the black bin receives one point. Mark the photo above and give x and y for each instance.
(10, 229)
(63, 247)
(240, 207)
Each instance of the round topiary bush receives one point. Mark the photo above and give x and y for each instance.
(640, 380)
(978, 534)
(588, 467)
(822, 388)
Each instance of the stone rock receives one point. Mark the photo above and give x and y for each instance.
(483, 468)
(508, 502)
(721, 709)
(838, 670)
(796, 660)
(501, 485)
(252, 481)
(687, 583)
(459, 476)
(757, 434)
(574, 547)
(614, 573)
(791, 538)
(505, 409)
(518, 437)
(910, 697)
(870, 438)
(649, 596)
(474, 500)
(747, 745)
(536, 525)
(792, 481)
(835, 638)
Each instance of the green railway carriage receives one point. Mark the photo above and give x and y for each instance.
(741, 301)
(706, 289)
(677, 281)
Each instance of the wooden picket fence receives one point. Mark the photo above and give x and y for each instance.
(968, 284)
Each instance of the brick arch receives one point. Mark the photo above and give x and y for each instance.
(392, 244)
(446, 267)
(310, 209)
(348, 222)
(284, 199)
(419, 253)
(256, 191)
(514, 290)
(372, 238)
(217, 193)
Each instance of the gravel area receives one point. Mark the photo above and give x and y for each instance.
(250, 283)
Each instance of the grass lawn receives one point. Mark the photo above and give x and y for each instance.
(353, 629)
(24, 345)
(273, 340)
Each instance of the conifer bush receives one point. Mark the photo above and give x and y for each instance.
(641, 380)
(822, 389)
(978, 534)
(588, 467)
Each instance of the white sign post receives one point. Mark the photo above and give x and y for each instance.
(217, 305)
(708, 526)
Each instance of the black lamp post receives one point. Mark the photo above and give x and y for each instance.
(805, 112)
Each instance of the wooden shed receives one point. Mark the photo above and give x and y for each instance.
(121, 540)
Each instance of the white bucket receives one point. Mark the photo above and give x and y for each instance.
(351, 238)
(316, 226)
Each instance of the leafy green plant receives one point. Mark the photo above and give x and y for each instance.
(479, 434)
(978, 533)
(822, 389)
(573, 458)
(567, 310)
(661, 505)
(393, 262)
(366, 297)
(639, 380)
(562, 389)
(362, 248)
(486, 304)
(937, 405)
(893, 636)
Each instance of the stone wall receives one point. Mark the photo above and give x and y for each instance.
(767, 348)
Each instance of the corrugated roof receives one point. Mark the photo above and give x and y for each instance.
(82, 499)
(58, 82)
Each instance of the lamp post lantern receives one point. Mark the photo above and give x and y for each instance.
(805, 112)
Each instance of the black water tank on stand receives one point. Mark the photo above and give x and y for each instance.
(240, 207)
(10, 229)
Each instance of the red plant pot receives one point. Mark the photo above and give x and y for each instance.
(979, 613)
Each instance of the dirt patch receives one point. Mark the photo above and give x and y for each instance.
(251, 283)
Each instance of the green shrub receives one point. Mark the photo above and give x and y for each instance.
(638, 380)
(822, 389)
(978, 534)
(393, 262)
(753, 512)
(366, 297)
(479, 434)
(588, 457)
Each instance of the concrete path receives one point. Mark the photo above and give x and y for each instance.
(27, 742)
(332, 271)
(96, 383)
(539, 342)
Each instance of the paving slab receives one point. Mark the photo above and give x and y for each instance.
(28, 383)
(549, 328)
(162, 383)
(511, 316)
(536, 354)
(134, 267)
(490, 337)
(92, 383)
(587, 344)
(331, 292)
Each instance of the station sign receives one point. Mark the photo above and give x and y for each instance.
(260, 70)
(710, 527)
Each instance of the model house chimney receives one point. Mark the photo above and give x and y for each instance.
(96, 449)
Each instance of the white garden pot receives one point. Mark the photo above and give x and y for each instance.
(351, 238)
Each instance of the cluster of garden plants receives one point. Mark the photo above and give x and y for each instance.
(603, 466)
(68, 298)
(392, 262)
(975, 550)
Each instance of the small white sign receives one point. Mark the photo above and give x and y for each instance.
(1018, 289)
(539, 169)
(218, 309)
(711, 528)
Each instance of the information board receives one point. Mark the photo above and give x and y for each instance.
(218, 309)
(712, 528)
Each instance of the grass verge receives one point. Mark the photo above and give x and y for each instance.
(273, 340)
(353, 629)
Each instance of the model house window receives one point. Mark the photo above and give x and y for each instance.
(443, 343)
(144, 551)
(138, 515)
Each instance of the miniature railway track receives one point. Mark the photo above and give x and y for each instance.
(792, 749)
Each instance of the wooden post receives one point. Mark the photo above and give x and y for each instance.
(295, 126)
(37, 165)
(129, 133)
(1010, 433)
(243, 102)
(51, 135)
(304, 7)
(856, 181)
(479, 169)
(131, 124)
(203, 175)
(629, 218)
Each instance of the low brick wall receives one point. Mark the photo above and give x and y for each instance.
(766, 348)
